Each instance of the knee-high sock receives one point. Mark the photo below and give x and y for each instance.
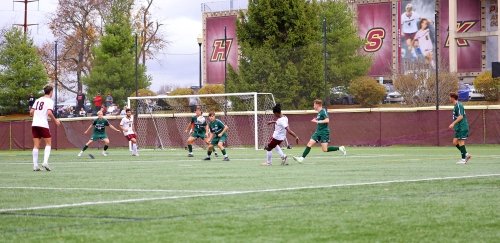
(464, 151)
(332, 148)
(46, 154)
(280, 151)
(269, 156)
(134, 148)
(190, 148)
(35, 157)
(306, 151)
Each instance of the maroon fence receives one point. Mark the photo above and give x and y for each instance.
(347, 128)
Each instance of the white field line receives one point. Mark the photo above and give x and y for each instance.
(103, 189)
(230, 193)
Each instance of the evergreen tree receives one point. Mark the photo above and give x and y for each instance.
(282, 50)
(21, 71)
(114, 64)
(344, 63)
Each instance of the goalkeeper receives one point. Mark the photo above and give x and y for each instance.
(197, 128)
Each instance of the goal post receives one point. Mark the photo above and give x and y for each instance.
(161, 120)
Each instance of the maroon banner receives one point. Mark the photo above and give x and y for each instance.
(215, 48)
(374, 25)
(468, 20)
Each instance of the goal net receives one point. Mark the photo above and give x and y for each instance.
(161, 121)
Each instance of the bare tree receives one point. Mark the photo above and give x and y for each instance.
(417, 84)
(76, 25)
(150, 39)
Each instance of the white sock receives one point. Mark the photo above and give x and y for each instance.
(46, 155)
(134, 148)
(280, 152)
(35, 157)
(269, 156)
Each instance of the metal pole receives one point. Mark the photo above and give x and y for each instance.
(55, 77)
(136, 72)
(436, 27)
(199, 54)
(55, 89)
(225, 60)
(325, 66)
(436, 16)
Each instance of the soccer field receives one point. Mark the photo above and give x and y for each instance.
(390, 194)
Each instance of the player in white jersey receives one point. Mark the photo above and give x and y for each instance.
(40, 111)
(279, 134)
(423, 37)
(127, 126)
(409, 21)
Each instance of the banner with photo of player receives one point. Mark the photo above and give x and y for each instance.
(491, 25)
(468, 20)
(375, 26)
(215, 47)
(417, 33)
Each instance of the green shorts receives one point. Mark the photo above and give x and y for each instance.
(216, 140)
(96, 137)
(321, 137)
(462, 134)
(201, 135)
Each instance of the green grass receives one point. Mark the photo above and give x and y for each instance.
(392, 194)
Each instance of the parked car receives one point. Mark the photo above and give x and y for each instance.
(474, 94)
(392, 96)
(463, 92)
(340, 96)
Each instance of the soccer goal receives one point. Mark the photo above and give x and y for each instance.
(161, 120)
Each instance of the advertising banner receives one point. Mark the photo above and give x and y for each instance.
(216, 50)
(374, 25)
(491, 25)
(468, 20)
(417, 30)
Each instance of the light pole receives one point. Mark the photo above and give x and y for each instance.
(136, 71)
(200, 42)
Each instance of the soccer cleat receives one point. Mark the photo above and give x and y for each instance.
(266, 163)
(80, 154)
(36, 168)
(91, 156)
(298, 159)
(342, 149)
(190, 155)
(467, 157)
(104, 153)
(46, 167)
(226, 159)
(462, 162)
(216, 155)
(206, 158)
(283, 160)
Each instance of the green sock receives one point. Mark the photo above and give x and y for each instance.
(209, 152)
(306, 152)
(190, 148)
(464, 151)
(332, 148)
(106, 147)
(458, 147)
(85, 148)
(223, 152)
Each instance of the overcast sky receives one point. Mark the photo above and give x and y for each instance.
(182, 19)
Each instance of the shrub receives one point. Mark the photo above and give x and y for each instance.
(487, 85)
(180, 104)
(367, 91)
(213, 103)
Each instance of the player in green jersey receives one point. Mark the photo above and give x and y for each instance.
(197, 128)
(218, 135)
(461, 127)
(322, 133)
(99, 133)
